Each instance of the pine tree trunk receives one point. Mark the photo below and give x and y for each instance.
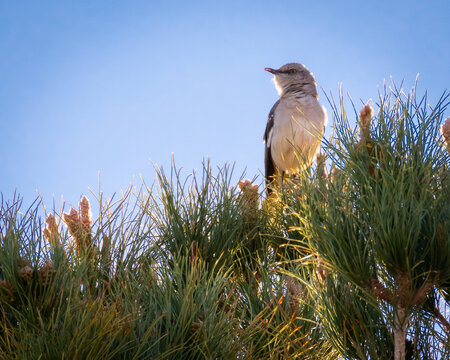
(400, 329)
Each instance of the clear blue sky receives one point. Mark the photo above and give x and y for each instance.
(108, 86)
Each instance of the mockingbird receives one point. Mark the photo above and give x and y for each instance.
(296, 122)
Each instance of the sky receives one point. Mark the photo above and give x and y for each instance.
(111, 89)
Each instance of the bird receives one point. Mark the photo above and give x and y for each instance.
(296, 123)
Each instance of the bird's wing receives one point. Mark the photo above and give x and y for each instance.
(268, 162)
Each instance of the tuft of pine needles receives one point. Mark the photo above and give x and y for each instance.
(380, 223)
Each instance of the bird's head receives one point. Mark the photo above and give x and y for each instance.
(294, 79)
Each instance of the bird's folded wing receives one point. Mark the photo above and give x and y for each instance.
(268, 162)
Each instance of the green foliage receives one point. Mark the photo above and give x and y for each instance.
(381, 224)
(185, 271)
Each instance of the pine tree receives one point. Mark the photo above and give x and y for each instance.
(353, 262)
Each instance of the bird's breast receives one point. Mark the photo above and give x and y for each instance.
(297, 133)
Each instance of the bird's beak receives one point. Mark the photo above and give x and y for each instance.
(272, 71)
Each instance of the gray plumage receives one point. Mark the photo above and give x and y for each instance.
(296, 122)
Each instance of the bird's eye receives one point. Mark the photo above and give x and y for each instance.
(292, 71)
